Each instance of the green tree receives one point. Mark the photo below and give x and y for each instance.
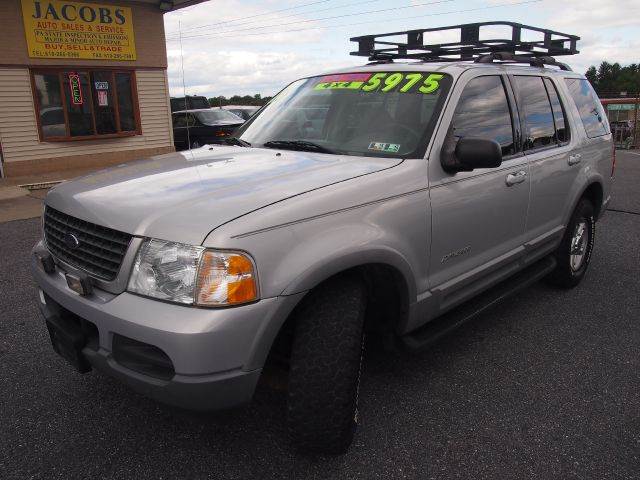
(256, 100)
(611, 79)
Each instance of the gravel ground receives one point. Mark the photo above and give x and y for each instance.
(545, 385)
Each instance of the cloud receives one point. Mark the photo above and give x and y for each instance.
(592, 15)
(226, 53)
(228, 72)
(240, 62)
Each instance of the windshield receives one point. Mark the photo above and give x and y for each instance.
(214, 117)
(389, 114)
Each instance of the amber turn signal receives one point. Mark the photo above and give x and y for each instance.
(225, 278)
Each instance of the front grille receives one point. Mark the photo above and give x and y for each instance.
(100, 250)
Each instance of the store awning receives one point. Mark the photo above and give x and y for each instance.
(170, 5)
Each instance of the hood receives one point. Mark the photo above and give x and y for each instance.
(183, 196)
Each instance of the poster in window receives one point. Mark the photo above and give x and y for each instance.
(70, 29)
(103, 100)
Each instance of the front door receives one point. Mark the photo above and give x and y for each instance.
(478, 218)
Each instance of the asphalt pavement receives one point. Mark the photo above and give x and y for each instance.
(545, 385)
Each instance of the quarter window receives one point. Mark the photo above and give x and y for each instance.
(539, 130)
(483, 112)
(183, 120)
(83, 103)
(589, 107)
(562, 129)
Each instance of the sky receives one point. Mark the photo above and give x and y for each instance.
(249, 47)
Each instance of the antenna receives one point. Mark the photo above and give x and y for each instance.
(184, 88)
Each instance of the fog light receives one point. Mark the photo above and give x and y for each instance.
(80, 285)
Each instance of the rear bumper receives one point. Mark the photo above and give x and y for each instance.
(216, 355)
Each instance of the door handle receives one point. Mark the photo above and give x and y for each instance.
(573, 159)
(514, 178)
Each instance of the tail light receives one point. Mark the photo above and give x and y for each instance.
(221, 133)
(613, 158)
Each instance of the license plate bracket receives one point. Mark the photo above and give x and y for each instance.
(68, 340)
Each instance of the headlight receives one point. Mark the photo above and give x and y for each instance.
(193, 275)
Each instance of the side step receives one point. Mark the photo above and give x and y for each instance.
(433, 331)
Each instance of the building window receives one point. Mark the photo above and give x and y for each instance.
(76, 104)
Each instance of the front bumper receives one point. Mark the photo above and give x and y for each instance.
(216, 354)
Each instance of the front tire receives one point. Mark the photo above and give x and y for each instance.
(325, 366)
(574, 253)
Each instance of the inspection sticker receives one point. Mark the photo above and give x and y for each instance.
(385, 147)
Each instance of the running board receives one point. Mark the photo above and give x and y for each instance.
(433, 331)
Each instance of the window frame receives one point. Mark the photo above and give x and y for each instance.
(64, 95)
(606, 124)
(523, 120)
(567, 123)
(520, 104)
(511, 104)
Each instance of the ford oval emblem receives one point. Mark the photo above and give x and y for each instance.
(71, 241)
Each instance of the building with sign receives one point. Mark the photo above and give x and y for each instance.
(623, 114)
(82, 84)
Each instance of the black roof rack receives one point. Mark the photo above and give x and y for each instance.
(536, 51)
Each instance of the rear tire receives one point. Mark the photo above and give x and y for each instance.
(574, 253)
(325, 366)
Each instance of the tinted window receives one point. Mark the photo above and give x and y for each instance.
(103, 102)
(562, 130)
(78, 104)
(50, 101)
(89, 103)
(214, 117)
(539, 130)
(125, 102)
(589, 106)
(483, 111)
(385, 114)
(189, 103)
(180, 120)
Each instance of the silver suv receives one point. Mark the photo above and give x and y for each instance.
(398, 198)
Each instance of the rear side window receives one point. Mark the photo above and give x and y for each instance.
(483, 112)
(589, 107)
(539, 129)
(562, 128)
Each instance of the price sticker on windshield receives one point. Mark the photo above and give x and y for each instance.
(403, 82)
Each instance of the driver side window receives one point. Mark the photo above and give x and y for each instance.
(483, 112)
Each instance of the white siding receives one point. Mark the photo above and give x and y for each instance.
(19, 130)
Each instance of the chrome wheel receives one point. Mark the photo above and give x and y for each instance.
(579, 243)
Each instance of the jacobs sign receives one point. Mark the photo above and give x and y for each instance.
(63, 29)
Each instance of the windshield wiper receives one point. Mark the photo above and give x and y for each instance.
(237, 141)
(301, 145)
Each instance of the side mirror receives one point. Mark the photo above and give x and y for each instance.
(471, 153)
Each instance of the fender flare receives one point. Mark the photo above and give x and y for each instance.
(325, 269)
(593, 179)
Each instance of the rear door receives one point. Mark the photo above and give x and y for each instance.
(596, 145)
(549, 145)
(478, 217)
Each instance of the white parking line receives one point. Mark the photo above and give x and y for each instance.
(633, 153)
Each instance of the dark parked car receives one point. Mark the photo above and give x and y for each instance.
(194, 128)
(243, 111)
(190, 102)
